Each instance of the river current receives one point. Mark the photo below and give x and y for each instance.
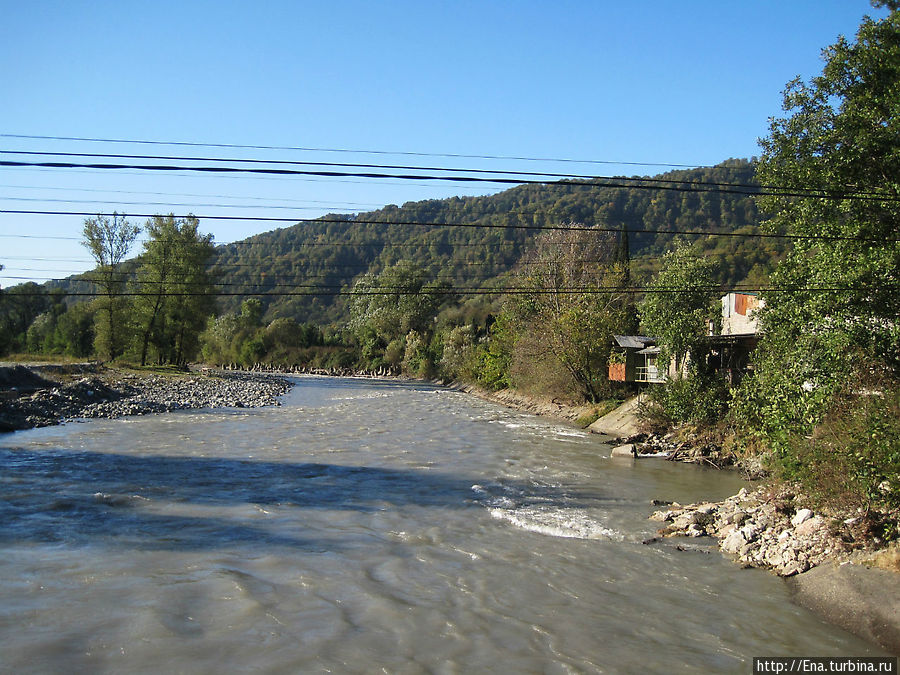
(367, 526)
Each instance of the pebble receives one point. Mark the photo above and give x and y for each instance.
(93, 397)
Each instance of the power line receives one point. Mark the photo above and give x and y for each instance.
(244, 177)
(185, 194)
(286, 162)
(598, 181)
(264, 171)
(124, 203)
(533, 174)
(217, 266)
(766, 189)
(495, 226)
(345, 150)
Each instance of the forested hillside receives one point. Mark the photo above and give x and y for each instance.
(298, 266)
(465, 243)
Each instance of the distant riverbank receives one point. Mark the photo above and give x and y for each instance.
(44, 395)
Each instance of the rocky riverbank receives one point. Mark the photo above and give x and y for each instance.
(38, 397)
(764, 528)
(824, 557)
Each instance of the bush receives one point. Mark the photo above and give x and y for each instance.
(457, 353)
(492, 358)
(696, 398)
(393, 353)
(852, 459)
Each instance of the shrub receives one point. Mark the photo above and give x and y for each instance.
(852, 459)
(696, 398)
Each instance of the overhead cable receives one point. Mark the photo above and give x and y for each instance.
(637, 180)
(344, 150)
(599, 181)
(494, 226)
(342, 290)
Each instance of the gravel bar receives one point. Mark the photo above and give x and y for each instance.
(117, 394)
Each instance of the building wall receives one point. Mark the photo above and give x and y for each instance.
(739, 313)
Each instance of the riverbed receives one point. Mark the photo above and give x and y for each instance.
(367, 525)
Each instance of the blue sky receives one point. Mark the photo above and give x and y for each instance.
(655, 82)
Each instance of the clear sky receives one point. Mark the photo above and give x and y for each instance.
(657, 82)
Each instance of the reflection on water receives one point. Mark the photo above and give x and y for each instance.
(366, 525)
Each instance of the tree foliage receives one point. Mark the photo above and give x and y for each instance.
(679, 303)
(570, 298)
(390, 309)
(108, 242)
(175, 288)
(841, 138)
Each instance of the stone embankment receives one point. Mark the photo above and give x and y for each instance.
(761, 528)
(40, 402)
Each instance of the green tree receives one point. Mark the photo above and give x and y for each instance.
(19, 307)
(74, 333)
(403, 299)
(837, 152)
(108, 242)
(175, 288)
(679, 303)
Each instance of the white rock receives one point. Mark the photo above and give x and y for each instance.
(810, 526)
(626, 450)
(750, 532)
(694, 531)
(801, 516)
(733, 542)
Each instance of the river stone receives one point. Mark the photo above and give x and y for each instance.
(695, 531)
(733, 542)
(627, 450)
(801, 516)
(750, 532)
(810, 526)
(683, 521)
(662, 516)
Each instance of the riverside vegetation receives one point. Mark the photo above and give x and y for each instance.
(534, 310)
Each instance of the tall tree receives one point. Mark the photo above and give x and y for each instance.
(838, 152)
(19, 306)
(108, 242)
(175, 288)
(678, 303)
(571, 302)
(401, 299)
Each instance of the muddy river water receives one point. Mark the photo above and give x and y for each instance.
(367, 526)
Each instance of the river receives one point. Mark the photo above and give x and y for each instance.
(367, 526)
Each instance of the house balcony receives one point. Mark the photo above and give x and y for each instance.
(648, 374)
